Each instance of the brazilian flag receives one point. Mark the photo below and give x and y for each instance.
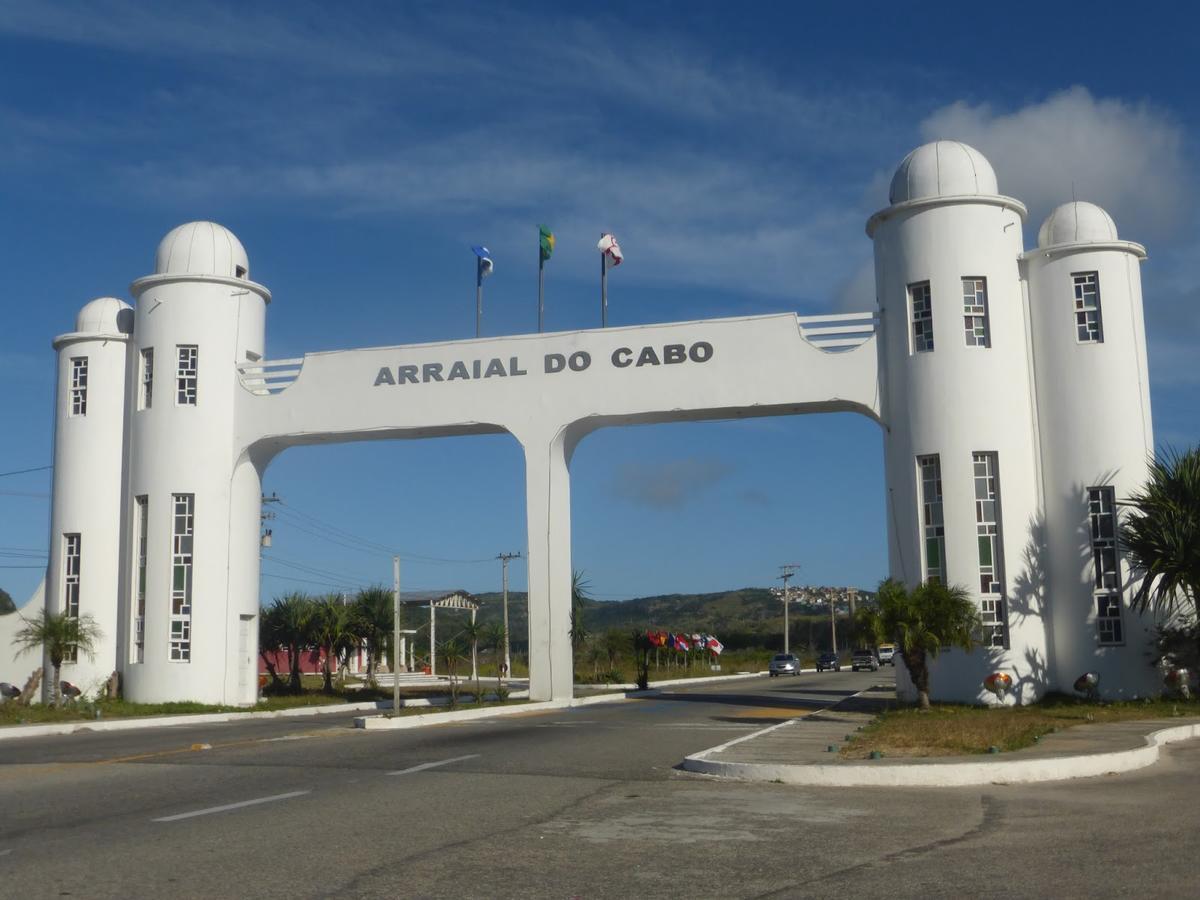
(545, 242)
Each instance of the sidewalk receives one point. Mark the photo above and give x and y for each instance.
(799, 752)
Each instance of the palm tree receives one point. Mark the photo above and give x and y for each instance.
(452, 653)
(60, 635)
(921, 622)
(1161, 533)
(335, 630)
(293, 615)
(473, 633)
(580, 596)
(375, 607)
(271, 641)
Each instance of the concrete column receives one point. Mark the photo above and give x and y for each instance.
(548, 518)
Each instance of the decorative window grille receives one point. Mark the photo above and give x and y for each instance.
(72, 557)
(931, 517)
(922, 316)
(989, 535)
(183, 529)
(1088, 327)
(975, 312)
(1106, 584)
(140, 521)
(186, 375)
(146, 395)
(79, 380)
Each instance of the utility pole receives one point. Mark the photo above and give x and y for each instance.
(504, 558)
(395, 635)
(833, 620)
(786, 573)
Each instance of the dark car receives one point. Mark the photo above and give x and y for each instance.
(864, 658)
(829, 661)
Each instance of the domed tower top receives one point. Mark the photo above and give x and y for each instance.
(105, 315)
(202, 248)
(942, 169)
(1077, 222)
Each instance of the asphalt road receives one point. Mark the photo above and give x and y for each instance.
(581, 803)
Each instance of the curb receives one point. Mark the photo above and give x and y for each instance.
(386, 723)
(962, 774)
(135, 722)
(675, 682)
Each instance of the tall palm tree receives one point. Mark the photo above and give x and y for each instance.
(270, 641)
(580, 596)
(921, 622)
(375, 607)
(335, 630)
(473, 633)
(58, 635)
(1161, 534)
(452, 652)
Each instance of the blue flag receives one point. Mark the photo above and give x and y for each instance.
(485, 260)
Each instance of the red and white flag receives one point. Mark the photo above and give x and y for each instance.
(611, 249)
(714, 645)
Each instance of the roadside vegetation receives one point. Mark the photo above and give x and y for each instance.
(957, 730)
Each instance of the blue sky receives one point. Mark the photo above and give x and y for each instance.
(359, 151)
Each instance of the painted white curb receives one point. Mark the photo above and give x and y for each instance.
(389, 723)
(133, 723)
(961, 774)
(674, 682)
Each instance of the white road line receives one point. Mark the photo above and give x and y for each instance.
(6, 852)
(229, 806)
(433, 765)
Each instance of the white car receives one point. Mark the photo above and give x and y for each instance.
(783, 664)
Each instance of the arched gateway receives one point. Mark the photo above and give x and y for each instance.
(1011, 387)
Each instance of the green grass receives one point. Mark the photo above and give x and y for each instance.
(955, 730)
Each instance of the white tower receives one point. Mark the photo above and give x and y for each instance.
(1093, 394)
(960, 447)
(192, 578)
(89, 446)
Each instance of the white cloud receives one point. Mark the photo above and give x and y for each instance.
(1125, 156)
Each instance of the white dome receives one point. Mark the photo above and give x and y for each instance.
(105, 315)
(942, 169)
(202, 248)
(1077, 223)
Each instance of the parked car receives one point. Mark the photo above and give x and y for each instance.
(783, 664)
(887, 653)
(864, 658)
(829, 661)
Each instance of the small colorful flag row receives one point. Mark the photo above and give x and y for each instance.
(673, 641)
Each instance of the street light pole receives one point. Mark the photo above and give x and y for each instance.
(504, 558)
(395, 634)
(787, 572)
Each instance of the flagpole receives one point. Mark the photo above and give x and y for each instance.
(603, 289)
(478, 295)
(541, 289)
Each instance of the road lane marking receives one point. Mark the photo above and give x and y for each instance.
(6, 852)
(229, 806)
(433, 765)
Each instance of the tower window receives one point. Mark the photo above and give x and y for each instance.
(1088, 326)
(146, 392)
(140, 521)
(975, 312)
(1106, 581)
(72, 558)
(186, 375)
(239, 271)
(182, 532)
(921, 301)
(79, 380)
(989, 535)
(932, 523)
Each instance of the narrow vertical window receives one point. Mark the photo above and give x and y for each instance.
(185, 379)
(1088, 327)
(988, 533)
(72, 557)
(182, 529)
(140, 521)
(1106, 583)
(975, 312)
(146, 388)
(79, 381)
(921, 301)
(933, 525)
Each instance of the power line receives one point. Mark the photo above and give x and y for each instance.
(22, 567)
(312, 570)
(25, 471)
